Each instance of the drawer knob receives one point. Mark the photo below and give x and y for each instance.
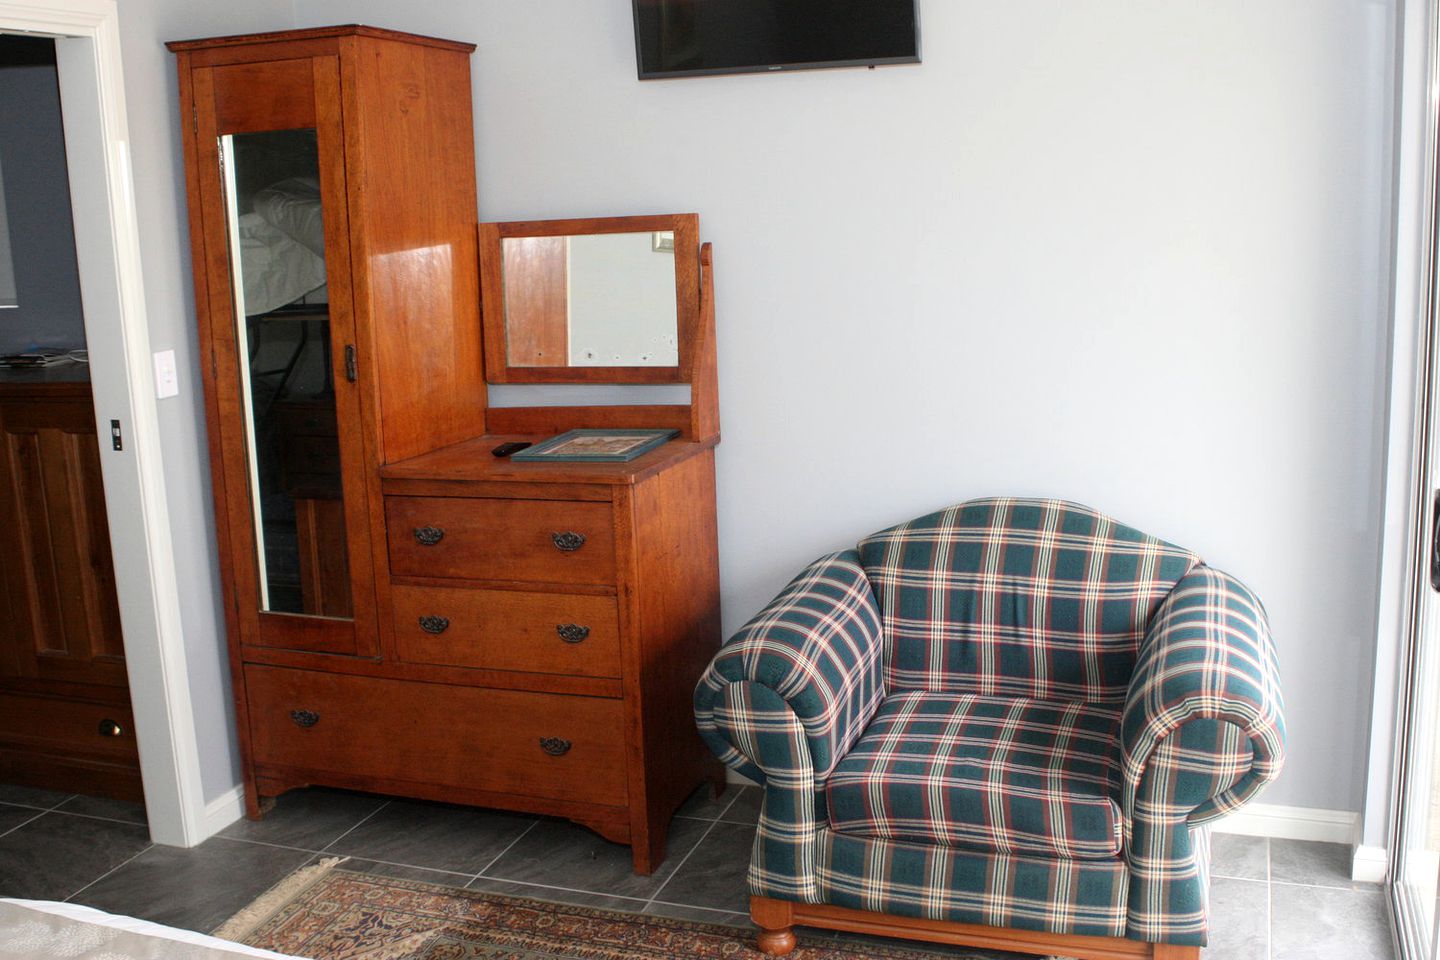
(568, 542)
(304, 718)
(109, 728)
(434, 624)
(429, 536)
(572, 632)
(555, 746)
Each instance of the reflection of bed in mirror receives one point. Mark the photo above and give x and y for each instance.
(278, 229)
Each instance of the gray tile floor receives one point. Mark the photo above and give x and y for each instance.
(1270, 900)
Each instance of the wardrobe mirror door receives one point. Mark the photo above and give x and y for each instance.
(277, 250)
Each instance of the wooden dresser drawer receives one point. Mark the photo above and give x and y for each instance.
(508, 630)
(507, 741)
(548, 541)
(67, 726)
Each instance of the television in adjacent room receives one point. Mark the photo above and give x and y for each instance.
(680, 38)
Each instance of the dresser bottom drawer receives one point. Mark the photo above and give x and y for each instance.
(67, 727)
(506, 741)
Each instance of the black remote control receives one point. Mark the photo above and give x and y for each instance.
(509, 447)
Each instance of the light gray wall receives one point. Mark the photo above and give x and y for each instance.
(622, 301)
(152, 102)
(37, 205)
(1126, 254)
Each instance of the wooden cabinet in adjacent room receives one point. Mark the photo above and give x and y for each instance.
(407, 613)
(64, 697)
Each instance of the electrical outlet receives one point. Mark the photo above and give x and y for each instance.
(167, 380)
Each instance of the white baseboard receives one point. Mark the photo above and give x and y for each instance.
(1369, 864)
(1290, 823)
(223, 811)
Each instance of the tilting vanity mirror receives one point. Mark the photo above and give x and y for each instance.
(613, 300)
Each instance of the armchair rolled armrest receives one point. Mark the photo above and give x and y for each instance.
(1203, 715)
(815, 649)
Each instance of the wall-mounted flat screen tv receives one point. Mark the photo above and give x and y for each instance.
(678, 38)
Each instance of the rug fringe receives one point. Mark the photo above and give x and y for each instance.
(244, 923)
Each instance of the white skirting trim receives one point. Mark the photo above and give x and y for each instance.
(1369, 864)
(222, 811)
(1290, 823)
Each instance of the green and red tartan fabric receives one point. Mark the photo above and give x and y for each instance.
(999, 774)
(1011, 712)
(1018, 598)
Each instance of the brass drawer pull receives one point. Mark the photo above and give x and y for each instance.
(555, 746)
(429, 536)
(572, 632)
(109, 728)
(568, 542)
(304, 718)
(433, 624)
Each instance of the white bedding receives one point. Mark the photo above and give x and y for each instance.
(40, 930)
(282, 246)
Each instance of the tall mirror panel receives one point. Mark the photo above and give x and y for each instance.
(277, 249)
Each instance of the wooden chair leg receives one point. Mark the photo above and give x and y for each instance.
(1169, 951)
(775, 920)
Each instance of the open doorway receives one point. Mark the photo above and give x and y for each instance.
(86, 41)
(63, 688)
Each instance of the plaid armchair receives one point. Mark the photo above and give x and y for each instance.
(1012, 714)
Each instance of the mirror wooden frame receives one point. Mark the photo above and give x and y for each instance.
(686, 227)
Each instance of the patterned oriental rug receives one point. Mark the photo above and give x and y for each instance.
(327, 914)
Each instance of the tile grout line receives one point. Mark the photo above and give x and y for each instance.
(735, 789)
(679, 866)
(550, 886)
(273, 846)
(38, 815)
(36, 806)
(359, 823)
(696, 906)
(481, 872)
(96, 816)
(390, 863)
(148, 846)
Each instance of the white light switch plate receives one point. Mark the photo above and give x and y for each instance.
(167, 381)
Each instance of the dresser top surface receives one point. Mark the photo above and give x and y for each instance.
(318, 33)
(63, 378)
(472, 460)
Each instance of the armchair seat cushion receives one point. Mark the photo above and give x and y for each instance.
(996, 774)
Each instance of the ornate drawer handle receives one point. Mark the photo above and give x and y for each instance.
(568, 542)
(555, 746)
(429, 536)
(572, 632)
(109, 728)
(304, 718)
(434, 624)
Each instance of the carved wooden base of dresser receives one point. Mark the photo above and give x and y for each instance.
(612, 823)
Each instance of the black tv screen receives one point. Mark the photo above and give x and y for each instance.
(677, 38)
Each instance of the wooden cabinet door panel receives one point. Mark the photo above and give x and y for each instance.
(64, 622)
(293, 497)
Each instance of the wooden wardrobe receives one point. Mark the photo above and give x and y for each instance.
(408, 614)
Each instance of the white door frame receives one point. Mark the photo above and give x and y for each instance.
(107, 243)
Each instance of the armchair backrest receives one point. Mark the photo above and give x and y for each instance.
(1018, 597)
